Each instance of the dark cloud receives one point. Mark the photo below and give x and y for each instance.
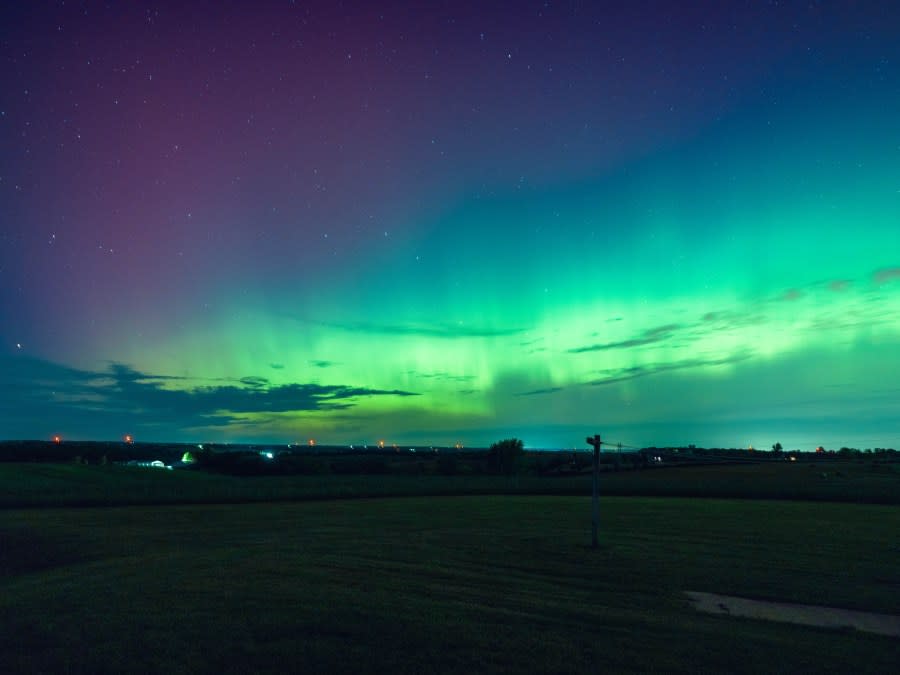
(321, 363)
(536, 392)
(442, 375)
(838, 285)
(792, 294)
(885, 275)
(634, 372)
(122, 372)
(650, 336)
(727, 319)
(276, 366)
(23, 370)
(437, 330)
(37, 393)
(617, 375)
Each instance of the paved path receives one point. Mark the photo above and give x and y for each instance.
(810, 615)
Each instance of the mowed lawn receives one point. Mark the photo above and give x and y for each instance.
(440, 584)
(36, 484)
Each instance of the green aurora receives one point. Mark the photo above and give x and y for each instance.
(707, 254)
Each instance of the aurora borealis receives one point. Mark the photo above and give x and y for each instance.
(453, 222)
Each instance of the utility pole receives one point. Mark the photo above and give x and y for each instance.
(595, 499)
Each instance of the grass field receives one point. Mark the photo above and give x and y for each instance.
(78, 485)
(440, 584)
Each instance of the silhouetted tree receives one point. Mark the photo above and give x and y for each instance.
(777, 448)
(504, 456)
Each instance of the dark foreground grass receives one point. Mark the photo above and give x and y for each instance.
(462, 584)
(24, 485)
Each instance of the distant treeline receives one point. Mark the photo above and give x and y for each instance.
(505, 457)
(90, 452)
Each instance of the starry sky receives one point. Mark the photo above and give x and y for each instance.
(451, 222)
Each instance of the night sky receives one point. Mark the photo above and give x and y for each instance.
(451, 222)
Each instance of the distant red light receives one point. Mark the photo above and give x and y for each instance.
(57, 439)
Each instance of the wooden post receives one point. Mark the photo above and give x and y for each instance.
(595, 498)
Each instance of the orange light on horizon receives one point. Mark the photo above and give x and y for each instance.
(57, 439)
(312, 442)
(129, 438)
(380, 444)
